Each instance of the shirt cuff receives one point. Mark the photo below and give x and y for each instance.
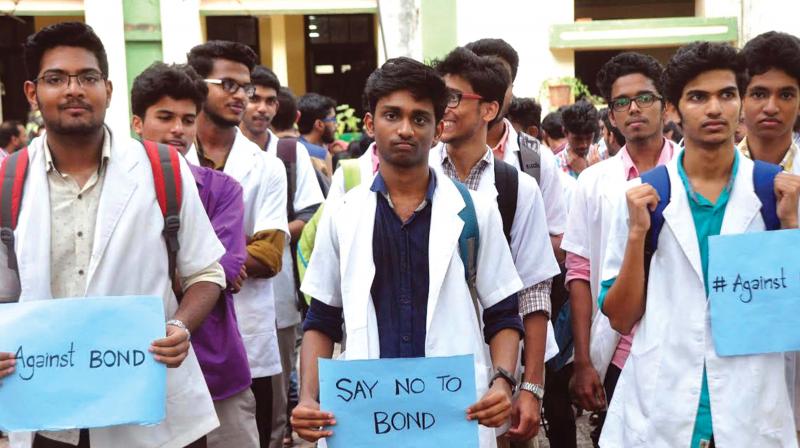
(578, 268)
(536, 298)
(212, 274)
(605, 285)
(324, 318)
(502, 315)
(267, 247)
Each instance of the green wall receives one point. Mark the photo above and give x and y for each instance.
(439, 28)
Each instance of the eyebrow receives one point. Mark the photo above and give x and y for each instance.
(60, 71)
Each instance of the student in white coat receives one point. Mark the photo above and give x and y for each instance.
(631, 84)
(306, 197)
(354, 274)
(675, 391)
(220, 145)
(770, 106)
(477, 86)
(90, 225)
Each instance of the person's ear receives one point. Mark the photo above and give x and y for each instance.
(30, 94)
(369, 124)
(138, 125)
(489, 111)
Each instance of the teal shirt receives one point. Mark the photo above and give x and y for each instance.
(707, 218)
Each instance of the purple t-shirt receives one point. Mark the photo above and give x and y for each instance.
(217, 342)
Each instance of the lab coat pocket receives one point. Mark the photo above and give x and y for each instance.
(642, 374)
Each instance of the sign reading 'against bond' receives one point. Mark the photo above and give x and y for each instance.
(754, 289)
(82, 363)
(414, 402)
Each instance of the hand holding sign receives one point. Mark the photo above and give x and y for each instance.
(7, 363)
(494, 408)
(311, 423)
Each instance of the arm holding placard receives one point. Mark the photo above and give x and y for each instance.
(494, 408)
(307, 418)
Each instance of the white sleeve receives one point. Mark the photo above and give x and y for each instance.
(322, 280)
(199, 245)
(496, 276)
(553, 193)
(530, 240)
(271, 198)
(307, 191)
(337, 186)
(576, 237)
(618, 234)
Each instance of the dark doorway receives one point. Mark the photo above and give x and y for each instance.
(243, 29)
(13, 32)
(340, 55)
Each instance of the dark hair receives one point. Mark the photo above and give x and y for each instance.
(202, 56)
(486, 75)
(8, 130)
(264, 77)
(771, 50)
(287, 110)
(614, 130)
(553, 125)
(312, 107)
(580, 118)
(696, 58)
(399, 74)
(677, 133)
(525, 111)
(625, 64)
(498, 48)
(177, 81)
(66, 34)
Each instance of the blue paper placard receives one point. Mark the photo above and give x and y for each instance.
(82, 363)
(754, 289)
(411, 402)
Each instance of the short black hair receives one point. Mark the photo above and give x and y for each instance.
(677, 133)
(66, 34)
(403, 73)
(498, 48)
(694, 59)
(202, 56)
(486, 75)
(287, 110)
(8, 130)
(525, 111)
(312, 107)
(553, 125)
(580, 118)
(625, 64)
(614, 130)
(177, 81)
(264, 77)
(771, 50)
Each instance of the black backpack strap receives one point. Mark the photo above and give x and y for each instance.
(506, 181)
(165, 164)
(287, 152)
(13, 172)
(530, 156)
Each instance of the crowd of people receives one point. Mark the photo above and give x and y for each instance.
(461, 223)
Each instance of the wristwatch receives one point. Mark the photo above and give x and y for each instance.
(536, 389)
(181, 325)
(507, 376)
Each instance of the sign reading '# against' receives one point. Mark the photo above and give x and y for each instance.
(82, 363)
(754, 289)
(411, 402)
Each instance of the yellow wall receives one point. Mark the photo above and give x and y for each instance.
(40, 22)
(295, 54)
(265, 40)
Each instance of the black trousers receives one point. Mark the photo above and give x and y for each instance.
(558, 411)
(262, 389)
(609, 385)
(43, 442)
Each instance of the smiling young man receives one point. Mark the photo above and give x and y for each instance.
(631, 84)
(225, 67)
(675, 391)
(86, 229)
(405, 225)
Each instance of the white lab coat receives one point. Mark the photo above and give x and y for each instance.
(655, 402)
(129, 257)
(342, 269)
(263, 180)
(307, 193)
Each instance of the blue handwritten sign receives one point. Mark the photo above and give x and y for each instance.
(754, 289)
(411, 402)
(82, 363)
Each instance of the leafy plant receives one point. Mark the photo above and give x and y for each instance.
(346, 120)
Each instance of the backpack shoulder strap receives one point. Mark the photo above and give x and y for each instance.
(13, 172)
(506, 180)
(530, 156)
(468, 244)
(658, 177)
(764, 186)
(165, 163)
(287, 152)
(352, 173)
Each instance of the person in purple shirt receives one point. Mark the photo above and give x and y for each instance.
(165, 101)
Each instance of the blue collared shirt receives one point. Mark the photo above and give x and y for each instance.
(315, 151)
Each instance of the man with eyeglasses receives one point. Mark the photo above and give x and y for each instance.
(220, 145)
(631, 84)
(317, 126)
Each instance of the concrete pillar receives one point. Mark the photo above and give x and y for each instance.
(400, 20)
(280, 59)
(181, 29)
(760, 16)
